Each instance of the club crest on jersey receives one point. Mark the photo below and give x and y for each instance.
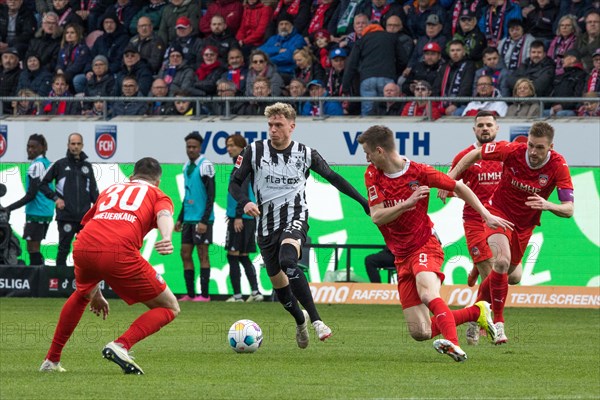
(543, 180)
(106, 141)
(372, 193)
(413, 185)
(298, 163)
(475, 251)
(238, 161)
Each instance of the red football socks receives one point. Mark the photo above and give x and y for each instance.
(484, 291)
(442, 320)
(148, 323)
(67, 322)
(498, 293)
(461, 316)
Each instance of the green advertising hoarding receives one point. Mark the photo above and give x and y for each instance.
(562, 252)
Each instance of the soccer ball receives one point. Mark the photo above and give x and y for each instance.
(245, 336)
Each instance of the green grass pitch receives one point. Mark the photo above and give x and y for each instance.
(552, 353)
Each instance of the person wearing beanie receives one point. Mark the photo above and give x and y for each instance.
(281, 47)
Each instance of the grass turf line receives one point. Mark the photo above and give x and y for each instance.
(552, 353)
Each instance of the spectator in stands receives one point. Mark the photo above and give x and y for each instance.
(539, 17)
(392, 108)
(334, 76)
(125, 10)
(255, 21)
(134, 66)
(111, 43)
(9, 75)
(530, 109)
(34, 77)
(395, 25)
(381, 260)
(281, 47)
(153, 11)
(172, 12)
(377, 58)
(17, 26)
(189, 42)
(318, 91)
(295, 11)
(26, 107)
(340, 24)
(455, 79)
(468, 32)
(571, 83)
(183, 108)
(87, 11)
(236, 70)
(226, 88)
(418, 14)
(129, 89)
(321, 45)
(361, 21)
(148, 44)
(159, 89)
(493, 68)
(307, 67)
(590, 107)
(95, 109)
(538, 68)
(434, 33)
(261, 88)
(60, 88)
(321, 14)
(46, 41)
(566, 38)
(296, 88)
(73, 55)
(455, 10)
(593, 78)
(100, 81)
(426, 70)
(66, 15)
(419, 106)
(232, 10)
(514, 49)
(493, 22)
(589, 42)
(577, 8)
(208, 73)
(221, 37)
(485, 88)
(176, 73)
(261, 66)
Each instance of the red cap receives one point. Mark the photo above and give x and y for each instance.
(183, 22)
(432, 46)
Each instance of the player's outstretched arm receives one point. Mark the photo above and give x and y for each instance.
(564, 210)
(98, 304)
(469, 159)
(381, 215)
(465, 193)
(164, 222)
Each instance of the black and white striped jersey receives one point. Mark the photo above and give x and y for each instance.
(279, 181)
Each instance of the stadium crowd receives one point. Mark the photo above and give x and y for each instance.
(316, 48)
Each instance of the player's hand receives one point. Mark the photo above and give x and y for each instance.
(495, 222)
(60, 204)
(178, 226)
(442, 195)
(238, 225)
(536, 202)
(201, 228)
(251, 209)
(164, 246)
(421, 193)
(99, 305)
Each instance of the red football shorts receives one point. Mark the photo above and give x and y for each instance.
(477, 241)
(429, 257)
(518, 238)
(128, 274)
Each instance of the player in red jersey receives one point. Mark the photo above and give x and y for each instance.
(530, 173)
(108, 248)
(398, 192)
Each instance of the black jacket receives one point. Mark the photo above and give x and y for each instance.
(542, 75)
(570, 84)
(46, 47)
(75, 184)
(25, 27)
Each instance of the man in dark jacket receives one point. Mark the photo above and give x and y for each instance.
(455, 79)
(426, 70)
(9, 76)
(76, 191)
(130, 89)
(571, 83)
(46, 41)
(538, 67)
(150, 46)
(133, 65)
(17, 26)
(221, 38)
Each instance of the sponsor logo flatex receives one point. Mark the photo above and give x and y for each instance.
(11, 283)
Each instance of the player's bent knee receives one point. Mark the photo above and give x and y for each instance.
(288, 258)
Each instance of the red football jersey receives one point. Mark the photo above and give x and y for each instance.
(520, 181)
(123, 214)
(411, 230)
(482, 177)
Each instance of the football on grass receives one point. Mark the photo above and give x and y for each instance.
(245, 336)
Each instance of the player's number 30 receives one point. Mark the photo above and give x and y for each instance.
(116, 194)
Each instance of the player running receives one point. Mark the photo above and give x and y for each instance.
(108, 248)
(398, 191)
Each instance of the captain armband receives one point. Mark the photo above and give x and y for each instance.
(565, 195)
